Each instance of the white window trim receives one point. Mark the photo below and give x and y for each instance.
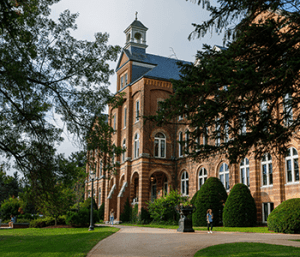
(186, 181)
(159, 145)
(224, 173)
(267, 162)
(292, 157)
(136, 147)
(245, 166)
(203, 176)
(263, 212)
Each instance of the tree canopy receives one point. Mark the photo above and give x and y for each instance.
(47, 74)
(243, 98)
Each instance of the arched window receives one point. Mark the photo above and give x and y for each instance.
(124, 153)
(224, 175)
(136, 145)
(291, 164)
(160, 145)
(202, 177)
(244, 172)
(267, 170)
(180, 144)
(185, 183)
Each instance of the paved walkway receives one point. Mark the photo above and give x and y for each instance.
(140, 241)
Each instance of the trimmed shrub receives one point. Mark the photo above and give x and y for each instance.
(127, 212)
(211, 195)
(47, 221)
(240, 208)
(285, 218)
(78, 219)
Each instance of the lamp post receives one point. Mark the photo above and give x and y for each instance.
(92, 177)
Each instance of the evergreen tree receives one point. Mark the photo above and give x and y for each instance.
(240, 208)
(212, 195)
(244, 96)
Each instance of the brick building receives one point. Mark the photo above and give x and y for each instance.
(154, 161)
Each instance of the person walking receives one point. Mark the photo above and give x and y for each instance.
(209, 219)
(112, 216)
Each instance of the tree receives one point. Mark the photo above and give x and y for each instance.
(240, 208)
(46, 73)
(245, 97)
(212, 195)
(9, 185)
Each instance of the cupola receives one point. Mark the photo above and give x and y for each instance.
(136, 36)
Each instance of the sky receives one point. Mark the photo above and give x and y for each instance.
(169, 24)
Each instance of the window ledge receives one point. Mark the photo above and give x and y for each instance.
(292, 183)
(266, 186)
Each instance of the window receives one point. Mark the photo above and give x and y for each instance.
(224, 175)
(100, 169)
(122, 82)
(267, 170)
(267, 208)
(244, 172)
(202, 177)
(204, 136)
(125, 117)
(243, 128)
(180, 145)
(187, 138)
(226, 132)
(287, 110)
(115, 123)
(136, 146)
(126, 79)
(291, 164)
(137, 111)
(166, 186)
(185, 183)
(124, 153)
(159, 105)
(99, 197)
(264, 115)
(160, 145)
(180, 117)
(218, 132)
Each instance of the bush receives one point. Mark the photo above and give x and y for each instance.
(127, 212)
(8, 207)
(78, 219)
(211, 195)
(144, 217)
(87, 204)
(285, 218)
(240, 208)
(101, 212)
(164, 208)
(134, 216)
(47, 221)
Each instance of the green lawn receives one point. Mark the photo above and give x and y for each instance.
(248, 250)
(226, 229)
(51, 242)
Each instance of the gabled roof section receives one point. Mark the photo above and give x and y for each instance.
(160, 67)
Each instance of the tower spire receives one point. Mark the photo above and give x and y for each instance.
(136, 13)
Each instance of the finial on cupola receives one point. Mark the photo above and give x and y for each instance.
(136, 13)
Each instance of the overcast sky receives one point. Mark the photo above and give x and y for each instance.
(169, 24)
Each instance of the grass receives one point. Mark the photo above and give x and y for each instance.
(51, 242)
(224, 229)
(249, 250)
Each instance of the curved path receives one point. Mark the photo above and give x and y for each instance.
(141, 241)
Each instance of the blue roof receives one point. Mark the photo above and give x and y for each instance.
(165, 68)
